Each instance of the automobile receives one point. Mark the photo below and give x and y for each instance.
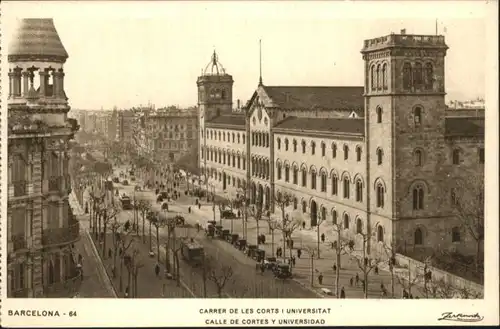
(259, 255)
(250, 251)
(180, 221)
(125, 182)
(116, 180)
(159, 199)
(137, 188)
(282, 271)
(228, 214)
(132, 179)
(270, 262)
(210, 230)
(164, 195)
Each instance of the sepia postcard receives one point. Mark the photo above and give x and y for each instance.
(271, 157)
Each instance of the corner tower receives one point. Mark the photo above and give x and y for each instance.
(405, 126)
(215, 97)
(41, 226)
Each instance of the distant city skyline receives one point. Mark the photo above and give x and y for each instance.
(121, 61)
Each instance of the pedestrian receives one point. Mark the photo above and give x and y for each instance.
(199, 205)
(405, 294)
(320, 278)
(163, 289)
(342, 293)
(376, 269)
(157, 269)
(262, 268)
(323, 237)
(357, 279)
(291, 244)
(293, 261)
(126, 292)
(382, 287)
(411, 296)
(299, 253)
(351, 281)
(120, 251)
(334, 267)
(303, 225)
(189, 209)
(239, 214)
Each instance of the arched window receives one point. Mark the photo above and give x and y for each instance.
(323, 181)
(286, 144)
(418, 237)
(380, 156)
(455, 234)
(334, 217)
(379, 114)
(224, 137)
(244, 138)
(323, 213)
(219, 135)
(417, 116)
(335, 185)
(384, 76)
(267, 140)
(358, 153)
(359, 190)
(233, 137)
(304, 206)
(295, 202)
(346, 221)
(238, 138)
(334, 150)
(380, 195)
(346, 152)
(303, 146)
(379, 77)
(418, 197)
(278, 143)
(211, 134)
(407, 76)
(456, 156)
(239, 159)
(418, 158)
(454, 197)
(373, 78)
(287, 173)
(359, 226)
(346, 187)
(295, 175)
(429, 76)
(313, 148)
(380, 234)
(417, 75)
(313, 179)
(294, 145)
(278, 171)
(323, 149)
(304, 177)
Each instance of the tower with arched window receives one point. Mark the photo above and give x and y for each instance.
(405, 111)
(41, 225)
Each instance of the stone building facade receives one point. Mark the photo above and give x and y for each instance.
(41, 227)
(380, 159)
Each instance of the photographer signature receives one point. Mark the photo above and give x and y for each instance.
(460, 317)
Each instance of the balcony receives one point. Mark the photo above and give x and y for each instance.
(65, 288)
(19, 242)
(55, 184)
(59, 236)
(20, 188)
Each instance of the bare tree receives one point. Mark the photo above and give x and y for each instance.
(366, 264)
(158, 223)
(218, 273)
(468, 204)
(222, 204)
(272, 225)
(115, 227)
(287, 226)
(109, 216)
(241, 204)
(125, 244)
(342, 247)
(390, 251)
(256, 211)
(410, 281)
(144, 207)
(320, 220)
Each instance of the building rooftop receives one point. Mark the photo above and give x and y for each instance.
(37, 37)
(464, 126)
(308, 97)
(229, 119)
(404, 40)
(325, 125)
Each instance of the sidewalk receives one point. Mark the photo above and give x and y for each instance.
(149, 285)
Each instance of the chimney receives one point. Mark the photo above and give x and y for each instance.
(403, 31)
(238, 102)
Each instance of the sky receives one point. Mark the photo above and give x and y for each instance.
(127, 54)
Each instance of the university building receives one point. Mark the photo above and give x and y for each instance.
(377, 159)
(40, 225)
